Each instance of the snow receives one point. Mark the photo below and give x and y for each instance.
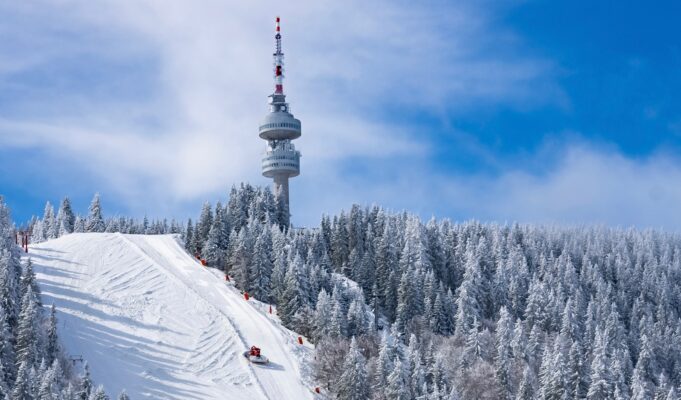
(148, 318)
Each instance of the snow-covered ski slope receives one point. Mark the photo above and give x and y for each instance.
(148, 318)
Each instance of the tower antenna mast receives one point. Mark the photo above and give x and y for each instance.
(281, 161)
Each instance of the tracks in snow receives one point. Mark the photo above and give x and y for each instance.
(150, 319)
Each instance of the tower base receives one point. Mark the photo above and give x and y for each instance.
(281, 195)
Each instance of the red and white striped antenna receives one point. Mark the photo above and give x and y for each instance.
(278, 61)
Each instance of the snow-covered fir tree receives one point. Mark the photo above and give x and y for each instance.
(520, 311)
(95, 221)
(498, 311)
(353, 383)
(66, 219)
(31, 360)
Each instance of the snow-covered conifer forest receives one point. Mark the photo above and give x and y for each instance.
(402, 309)
(32, 364)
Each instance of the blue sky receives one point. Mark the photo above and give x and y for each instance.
(529, 111)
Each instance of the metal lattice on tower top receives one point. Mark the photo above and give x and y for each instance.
(281, 161)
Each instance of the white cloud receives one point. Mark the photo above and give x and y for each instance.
(190, 129)
(591, 186)
(581, 185)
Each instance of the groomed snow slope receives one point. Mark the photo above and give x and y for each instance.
(148, 318)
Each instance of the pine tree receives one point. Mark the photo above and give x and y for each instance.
(535, 347)
(85, 387)
(413, 368)
(4, 385)
(359, 322)
(414, 253)
(557, 387)
(112, 226)
(50, 227)
(340, 242)
(27, 331)
(535, 310)
(66, 219)
(242, 258)
(386, 262)
(526, 388)
(397, 388)
(277, 281)
(123, 396)
(519, 341)
(295, 294)
(322, 316)
(28, 279)
(662, 387)
(339, 324)
(79, 225)
(52, 349)
(38, 232)
(502, 360)
(642, 381)
(212, 252)
(45, 390)
(52, 383)
(620, 373)
(353, 383)
(69, 393)
(516, 264)
(99, 394)
(443, 311)
(204, 225)
(474, 347)
(601, 380)
(384, 363)
(578, 373)
(366, 275)
(468, 306)
(23, 387)
(95, 221)
(408, 300)
(261, 269)
(189, 243)
(7, 355)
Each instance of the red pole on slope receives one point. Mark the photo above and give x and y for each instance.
(300, 340)
(270, 308)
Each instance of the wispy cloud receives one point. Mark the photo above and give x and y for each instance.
(160, 99)
(581, 184)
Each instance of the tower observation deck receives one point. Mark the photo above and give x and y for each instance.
(281, 161)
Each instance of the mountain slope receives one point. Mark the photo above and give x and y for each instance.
(150, 319)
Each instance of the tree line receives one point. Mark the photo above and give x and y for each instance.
(405, 309)
(33, 365)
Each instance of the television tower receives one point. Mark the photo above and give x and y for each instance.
(281, 161)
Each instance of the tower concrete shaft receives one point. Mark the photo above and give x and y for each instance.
(281, 161)
(281, 194)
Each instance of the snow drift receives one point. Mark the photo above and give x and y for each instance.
(148, 318)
